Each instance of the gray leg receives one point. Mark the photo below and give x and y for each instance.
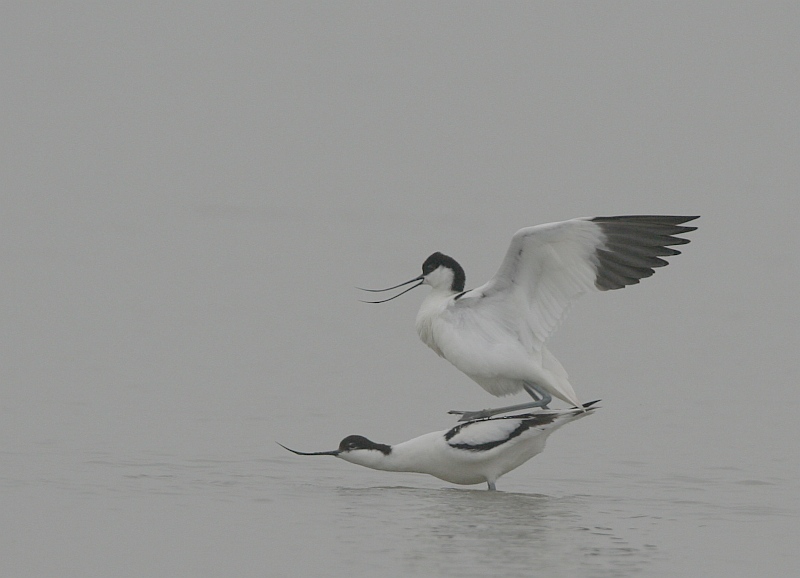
(540, 396)
(484, 413)
(491, 487)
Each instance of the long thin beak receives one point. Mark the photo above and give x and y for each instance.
(331, 453)
(421, 280)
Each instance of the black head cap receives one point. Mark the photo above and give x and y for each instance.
(361, 443)
(441, 260)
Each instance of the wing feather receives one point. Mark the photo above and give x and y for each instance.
(547, 267)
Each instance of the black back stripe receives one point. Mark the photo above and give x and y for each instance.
(524, 425)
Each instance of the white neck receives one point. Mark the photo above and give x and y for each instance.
(411, 456)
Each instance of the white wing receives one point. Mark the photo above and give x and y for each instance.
(548, 266)
(484, 435)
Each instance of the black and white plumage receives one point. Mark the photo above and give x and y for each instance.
(496, 333)
(472, 452)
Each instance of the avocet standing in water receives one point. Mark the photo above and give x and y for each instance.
(470, 453)
(496, 333)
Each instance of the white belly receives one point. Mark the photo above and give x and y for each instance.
(493, 355)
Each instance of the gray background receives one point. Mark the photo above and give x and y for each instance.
(191, 190)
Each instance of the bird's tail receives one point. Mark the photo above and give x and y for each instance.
(589, 405)
(558, 383)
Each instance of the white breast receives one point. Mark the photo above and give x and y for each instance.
(429, 312)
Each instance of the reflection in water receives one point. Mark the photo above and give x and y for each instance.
(455, 531)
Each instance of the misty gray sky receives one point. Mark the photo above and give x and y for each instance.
(191, 191)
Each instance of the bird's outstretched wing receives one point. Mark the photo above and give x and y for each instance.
(548, 266)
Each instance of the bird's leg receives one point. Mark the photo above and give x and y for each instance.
(540, 396)
(491, 487)
(484, 413)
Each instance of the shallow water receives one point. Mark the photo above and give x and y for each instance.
(253, 516)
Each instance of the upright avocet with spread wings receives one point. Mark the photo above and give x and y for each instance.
(496, 333)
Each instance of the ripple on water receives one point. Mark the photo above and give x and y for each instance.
(464, 532)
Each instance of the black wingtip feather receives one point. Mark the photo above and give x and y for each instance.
(633, 245)
(655, 219)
